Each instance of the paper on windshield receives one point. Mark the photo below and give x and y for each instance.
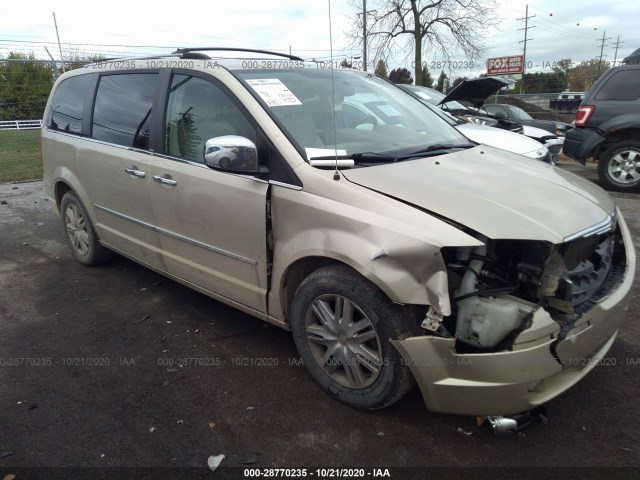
(323, 152)
(273, 92)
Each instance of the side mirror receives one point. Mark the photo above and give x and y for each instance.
(232, 153)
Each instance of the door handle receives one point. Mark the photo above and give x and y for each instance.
(165, 181)
(133, 170)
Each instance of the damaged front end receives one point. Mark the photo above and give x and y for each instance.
(528, 320)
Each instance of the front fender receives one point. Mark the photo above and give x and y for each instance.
(401, 254)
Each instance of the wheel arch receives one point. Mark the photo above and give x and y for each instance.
(618, 135)
(296, 273)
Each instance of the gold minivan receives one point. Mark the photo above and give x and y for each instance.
(332, 203)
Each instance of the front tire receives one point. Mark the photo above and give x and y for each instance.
(82, 237)
(619, 167)
(342, 325)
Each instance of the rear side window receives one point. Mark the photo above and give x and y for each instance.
(122, 112)
(622, 85)
(67, 104)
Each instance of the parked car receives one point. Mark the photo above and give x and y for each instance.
(428, 95)
(497, 137)
(474, 92)
(396, 253)
(517, 114)
(608, 127)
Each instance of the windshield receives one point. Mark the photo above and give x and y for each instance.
(367, 114)
(520, 114)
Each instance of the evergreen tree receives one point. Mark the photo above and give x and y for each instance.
(427, 79)
(381, 69)
(401, 75)
(442, 82)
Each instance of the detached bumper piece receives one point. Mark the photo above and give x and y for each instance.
(505, 426)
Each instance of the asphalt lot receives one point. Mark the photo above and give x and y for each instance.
(90, 377)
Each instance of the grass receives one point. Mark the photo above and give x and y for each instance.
(20, 156)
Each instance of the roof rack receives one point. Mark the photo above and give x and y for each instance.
(187, 51)
(122, 59)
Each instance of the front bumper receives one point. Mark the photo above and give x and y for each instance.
(581, 143)
(529, 375)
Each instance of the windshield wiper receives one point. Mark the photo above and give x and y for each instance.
(366, 157)
(435, 149)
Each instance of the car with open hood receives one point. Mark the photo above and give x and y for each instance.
(474, 93)
(395, 250)
(497, 137)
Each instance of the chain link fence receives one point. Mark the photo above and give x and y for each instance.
(25, 83)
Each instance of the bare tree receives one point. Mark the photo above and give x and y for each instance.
(445, 25)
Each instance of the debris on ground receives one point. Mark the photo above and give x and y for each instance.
(141, 320)
(214, 461)
(5, 453)
(250, 460)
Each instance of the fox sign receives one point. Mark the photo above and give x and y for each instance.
(505, 65)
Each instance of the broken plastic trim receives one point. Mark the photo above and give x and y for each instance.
(505, 426)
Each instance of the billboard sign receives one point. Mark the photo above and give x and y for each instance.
(505, 65)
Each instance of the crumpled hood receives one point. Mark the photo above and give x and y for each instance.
(496, 193)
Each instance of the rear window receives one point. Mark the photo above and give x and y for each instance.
(67, 104)
(122, 112)
(622, 85)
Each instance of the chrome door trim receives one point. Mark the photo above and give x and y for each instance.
(177, 236)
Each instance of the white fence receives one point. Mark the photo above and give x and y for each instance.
(20, 124)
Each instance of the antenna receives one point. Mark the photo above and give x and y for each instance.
(336, 174)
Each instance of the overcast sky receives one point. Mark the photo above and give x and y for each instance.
(562, 29)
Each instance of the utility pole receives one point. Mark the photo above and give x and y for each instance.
(364, 34)
(524, 55)
(615, 57)
(601, 50)
(58, 36)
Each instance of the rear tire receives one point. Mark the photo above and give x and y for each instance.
(82, 237)
(342, 325)
(619, 167)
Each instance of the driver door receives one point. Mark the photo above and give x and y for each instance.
(212, 224)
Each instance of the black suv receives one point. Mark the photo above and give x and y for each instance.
(608, 127)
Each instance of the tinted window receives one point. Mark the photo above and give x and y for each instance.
(197, 111)
(622, 85)
(122, 111)
(65, 113)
